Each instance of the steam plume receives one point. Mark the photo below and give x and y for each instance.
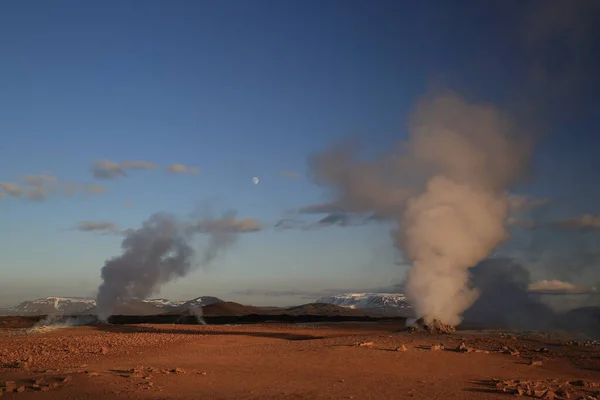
(159, 252)
(447, 189)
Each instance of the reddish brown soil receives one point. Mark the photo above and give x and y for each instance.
(276, 361)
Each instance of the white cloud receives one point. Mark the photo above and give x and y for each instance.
(182, 169)
(227, 225)
(97, 226)
(105, 169)
(138, 165)
(11, 189)
(520, 203)
(586, 221)
(558, 287)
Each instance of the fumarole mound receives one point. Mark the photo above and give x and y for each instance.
(435, 327)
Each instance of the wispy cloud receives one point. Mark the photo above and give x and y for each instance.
(584, 222)
(85, 189)
(138, 165)
(97, 226)
(289, 174)
(40, 180)
(182, 169)
(320, 208)
(12, 189)
(559, 287)
(519, 203)
(228, 224)
(288, 223)
(38, 187)
(105, 169)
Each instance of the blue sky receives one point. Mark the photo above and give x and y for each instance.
(235, 89)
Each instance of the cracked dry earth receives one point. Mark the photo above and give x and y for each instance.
(279, 361)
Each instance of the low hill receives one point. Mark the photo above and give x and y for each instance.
(134, 307)
(229, 308)
(322, 309)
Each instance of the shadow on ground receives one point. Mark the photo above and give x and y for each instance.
(175, 331)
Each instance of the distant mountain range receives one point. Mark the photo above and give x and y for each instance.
(82, 305)
(342, 304)
(372, 303)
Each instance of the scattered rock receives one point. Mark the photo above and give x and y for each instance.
(20, 389)
(66, 379)
(401, 348)
(437, 347)
(543, 350)
(510, 350)
(177, 371)
(202, 373)
(103, 350)
(535, 363)
(10, 385)
(364, 344)
(463, 348)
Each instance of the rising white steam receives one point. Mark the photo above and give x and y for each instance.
(160, 251)
(446, 187)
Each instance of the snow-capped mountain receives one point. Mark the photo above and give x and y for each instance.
(379, 303)
(199, 302)
(82, 305)
(53, 305)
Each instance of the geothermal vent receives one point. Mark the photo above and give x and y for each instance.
(435, 327)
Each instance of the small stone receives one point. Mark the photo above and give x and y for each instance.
(10, 385)
(202, 373)
(67, 378)
(437, 347)
(103, 350)
(463, 348)
(53, 384)
(550, 394)
(178, 371)
(401, 348)
(365, 344)
(535, 363)
(38, 381)
(35, 386)
(20, 389)
(44, 388)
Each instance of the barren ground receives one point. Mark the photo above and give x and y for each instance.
(278, 361)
